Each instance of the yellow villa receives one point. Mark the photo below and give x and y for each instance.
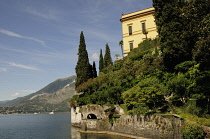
(136, 27)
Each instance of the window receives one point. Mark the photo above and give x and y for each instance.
(143, 25)
(131, 46)
(130, 30)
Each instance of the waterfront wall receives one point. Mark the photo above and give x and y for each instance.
(149, 126)
(76, 116)
(154, 126)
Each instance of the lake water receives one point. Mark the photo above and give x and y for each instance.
(42, 126)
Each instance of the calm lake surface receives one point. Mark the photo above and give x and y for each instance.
(42, 126)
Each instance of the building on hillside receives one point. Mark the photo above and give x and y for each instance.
(136, 27)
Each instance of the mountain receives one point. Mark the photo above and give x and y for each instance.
(3, 102)
(54, 96)
(11, 103)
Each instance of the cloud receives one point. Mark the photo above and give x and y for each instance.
(23, 66)
(16, 94)
(27, 91)
(44, 13)
(3, 69)
(38, 56)
(12, 34)
(95, 56)
(35, 53)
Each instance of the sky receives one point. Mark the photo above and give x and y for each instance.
(39, 39)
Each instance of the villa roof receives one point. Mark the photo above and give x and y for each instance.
(137, 14)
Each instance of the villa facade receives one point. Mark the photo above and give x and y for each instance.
(136, 27)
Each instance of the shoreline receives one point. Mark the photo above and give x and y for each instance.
(33, 113)
(113, 134)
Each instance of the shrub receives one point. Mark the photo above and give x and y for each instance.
(192, 131)
(184, 66)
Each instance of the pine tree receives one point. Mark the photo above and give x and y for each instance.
(107, 57)
(94, 70)
(101, 61)
(83, 70)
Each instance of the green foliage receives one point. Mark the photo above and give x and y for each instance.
(140, 84)
(148, 93)
(202, 47)
(73, 101)
(169, 27)
(149, 44)
(182, 26)
(83, 67)
(184, 66)
(94, 70)
(116, 116)
(199, 120)
(121, 44)
(114, 80)
(107, 57)
(192, 131)
(179, 86)
(101, 61)
(191, 108)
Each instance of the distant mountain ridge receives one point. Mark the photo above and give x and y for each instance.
(11, 103)
(3, 102)
(55, 96)
(58, 84)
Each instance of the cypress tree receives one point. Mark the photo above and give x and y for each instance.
(91, 70)
(107, 57)
(101, 61)
(94, 70)
(83, 70)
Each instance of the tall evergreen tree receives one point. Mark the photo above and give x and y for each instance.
(83, 70)
(178, 27)
(107, 57)
(202, 47)
(91, 70)
(94, 70)
(101, 61)
(170, 26)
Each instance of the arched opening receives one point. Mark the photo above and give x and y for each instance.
(91, 116)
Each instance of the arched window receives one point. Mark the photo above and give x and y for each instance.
(91, 116)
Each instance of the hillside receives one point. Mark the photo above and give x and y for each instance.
(139, 83)
(54, 96)
(167, 75)
(16, 101)
(3, 102)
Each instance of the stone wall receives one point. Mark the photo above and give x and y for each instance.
(79, 113)
(76, 116)
(97, 110)
(149, 126)
(154, 126)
